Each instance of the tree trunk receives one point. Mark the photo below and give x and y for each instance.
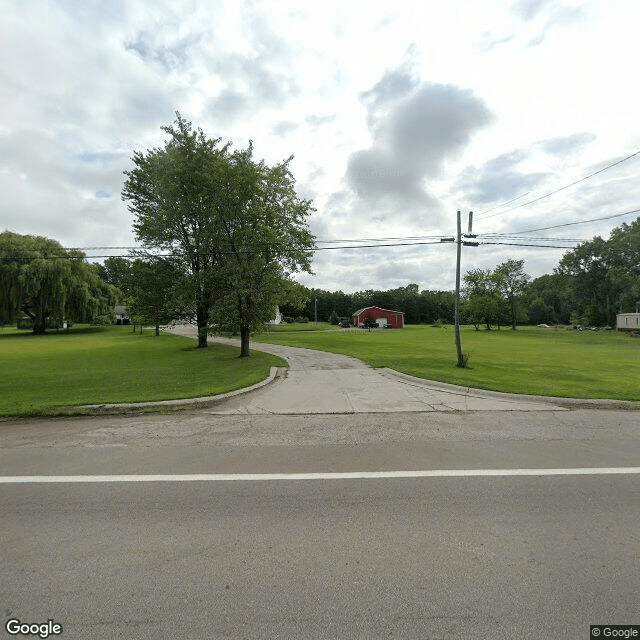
(245, 334)
(202, 320)
(157, 329)
(39, 324)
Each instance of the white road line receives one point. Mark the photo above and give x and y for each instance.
(349, 475)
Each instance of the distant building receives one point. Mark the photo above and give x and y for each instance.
(384, 317)
(278, 318)
(24, 323)
(121, 315)
(628, 322)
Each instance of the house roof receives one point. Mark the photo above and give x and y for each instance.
(359, 311)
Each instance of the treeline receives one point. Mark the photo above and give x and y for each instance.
(590, 285)
(418, 306)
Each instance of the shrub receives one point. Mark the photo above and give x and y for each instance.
(104, 320)
(369, 322)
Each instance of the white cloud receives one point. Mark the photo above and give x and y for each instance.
(396, 116)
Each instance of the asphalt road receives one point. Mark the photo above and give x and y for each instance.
(429, 558)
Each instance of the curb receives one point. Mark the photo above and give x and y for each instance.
(206, 401)
(569, 403)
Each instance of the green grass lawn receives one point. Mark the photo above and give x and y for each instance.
(50, 374)
(285, 327)
(549, 362)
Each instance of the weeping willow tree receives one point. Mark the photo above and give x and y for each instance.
(40, 279)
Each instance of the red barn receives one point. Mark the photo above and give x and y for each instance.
(383, 317)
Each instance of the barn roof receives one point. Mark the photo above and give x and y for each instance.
(359, 311)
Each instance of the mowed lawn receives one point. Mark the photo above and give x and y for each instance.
(531, 360)
(45, 375)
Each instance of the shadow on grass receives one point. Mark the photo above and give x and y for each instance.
(13, 334)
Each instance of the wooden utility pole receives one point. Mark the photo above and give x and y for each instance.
(462, 359)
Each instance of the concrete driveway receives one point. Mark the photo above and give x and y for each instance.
(321, 382)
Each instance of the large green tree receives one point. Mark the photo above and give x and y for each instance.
(116, 271)
(512, 282)
(547, 299)
(156, 290)
(49, 284)
(482, 299)
(604, 275)
(236, 224)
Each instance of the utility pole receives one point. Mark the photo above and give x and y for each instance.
(316, 310)
(462, 360)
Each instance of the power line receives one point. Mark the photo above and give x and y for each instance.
(502, 204)
(375, 246)
(380, 239)
(522, 244)
(569, 224)
(490, 239)
(501, 236)
(372, 246)
(138, 248)
(547, 195)
(175, 254)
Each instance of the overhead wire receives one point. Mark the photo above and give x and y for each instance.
(569, 224)
(551, 193)
(483, 238)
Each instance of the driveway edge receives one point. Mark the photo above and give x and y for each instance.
(569, 403)
(206, 401)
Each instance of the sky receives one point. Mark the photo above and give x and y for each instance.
(397, 115)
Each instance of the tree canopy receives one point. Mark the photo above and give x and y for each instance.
(49, 284)
(602, 277)
(235, 225)
(156, 291)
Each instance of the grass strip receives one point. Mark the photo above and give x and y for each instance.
(51, 374)
(531, 360)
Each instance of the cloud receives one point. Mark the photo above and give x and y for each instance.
(259, 78)
(416, 127)
(48, 183)
(249, 86)
(489, 42)
(529, 9)
(316, 121)
(498, 179)
(284, 127)
(565, 16)
(170, 56)
(394, 85)
(567, 144)
(557, 15)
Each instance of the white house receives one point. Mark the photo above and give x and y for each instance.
(278, 318)
(628, 322)
(121, 316)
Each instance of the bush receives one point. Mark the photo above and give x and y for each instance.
(287, 319)
(302, 319)
(104, 320)
(369, 322)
